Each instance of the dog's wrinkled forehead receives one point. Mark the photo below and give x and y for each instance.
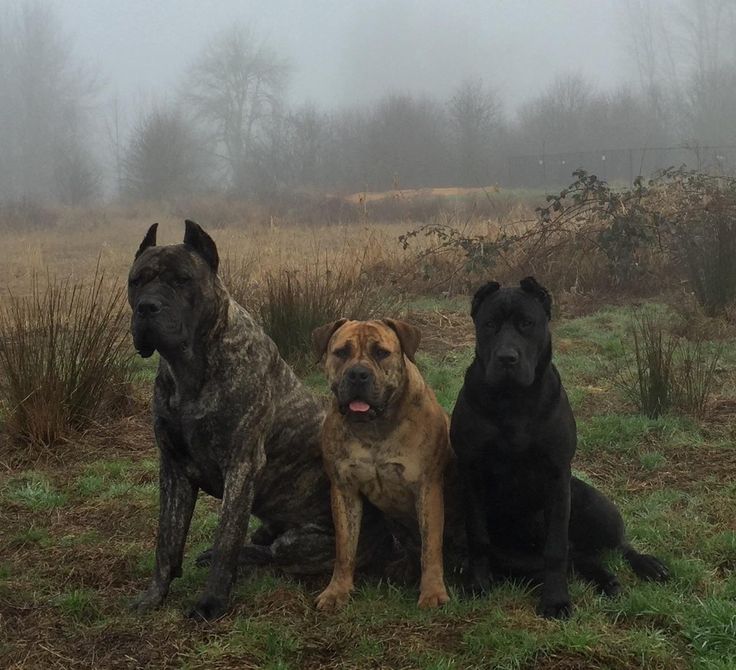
(174, 259)
(510, 303)
(361, 336)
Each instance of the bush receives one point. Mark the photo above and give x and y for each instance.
(589, 236)
(64, 357)
(295, 302)
(700, 211)
(664, 371)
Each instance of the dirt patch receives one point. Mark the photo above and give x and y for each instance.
(683, 469)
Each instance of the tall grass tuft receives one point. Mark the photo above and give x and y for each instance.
(665, 371)
(696, 378)
(64, 357)
(654, 357)
(237, 275)
(295, 302)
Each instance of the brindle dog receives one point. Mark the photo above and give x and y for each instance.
(231, 419)
(385, 438)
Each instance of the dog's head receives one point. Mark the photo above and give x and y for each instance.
(365, 363)
(173, 292)
(513, 342)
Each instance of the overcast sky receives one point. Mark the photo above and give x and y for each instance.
(346, 51)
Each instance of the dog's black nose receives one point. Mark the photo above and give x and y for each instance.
(508, 357)
(148, 307)
(358, 374)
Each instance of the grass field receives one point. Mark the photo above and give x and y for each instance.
(78, 525)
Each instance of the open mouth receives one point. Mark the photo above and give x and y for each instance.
(360, 410)
(359, 407)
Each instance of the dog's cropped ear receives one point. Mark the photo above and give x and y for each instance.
(321, 337)
(409, 336)
(202, 243)
(481, 294)
(533, 287)
(148, 241)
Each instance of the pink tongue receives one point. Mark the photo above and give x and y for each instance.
(359, 406)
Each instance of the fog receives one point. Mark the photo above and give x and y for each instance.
(347, 52)
(356, 95)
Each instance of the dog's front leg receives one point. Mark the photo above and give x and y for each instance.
(237, 500)
(476, 528)
(555, 600)
(177, 497)
(430, 509)
(347, 511)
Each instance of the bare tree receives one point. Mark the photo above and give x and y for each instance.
(309, 136)
(405, 143)
(475, 115)
(165, 157)
(45, 97)
(234, 86)
(556, 120)
(708, 27)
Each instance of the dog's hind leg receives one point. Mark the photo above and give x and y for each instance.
(255, 552)
(596, 525)
(645, 566)
(306, 550)
(590, 568)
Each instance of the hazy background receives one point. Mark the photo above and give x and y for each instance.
(103, 99)
(346, 52)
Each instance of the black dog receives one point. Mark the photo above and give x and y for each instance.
(514, 434)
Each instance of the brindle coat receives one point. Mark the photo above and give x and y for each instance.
(231, 419)
(385, 437)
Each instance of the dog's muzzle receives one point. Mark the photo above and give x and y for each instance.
(356, 394)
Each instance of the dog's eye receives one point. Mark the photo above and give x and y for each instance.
(342, 352)
(380, 353)
(526, 324)
(182, 279)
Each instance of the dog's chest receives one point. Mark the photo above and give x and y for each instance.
(388, 478)
(195, 442)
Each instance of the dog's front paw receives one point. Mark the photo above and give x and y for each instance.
(479, 578)
(555, 609)
(208, 608)
(433, 597)
(611, 587)
(332, 598)
(149, 600)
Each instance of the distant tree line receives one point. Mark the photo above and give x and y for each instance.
(229, 127)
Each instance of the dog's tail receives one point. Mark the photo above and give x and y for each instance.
(645, 566)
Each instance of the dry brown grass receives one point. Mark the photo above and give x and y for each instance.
(71, 250)
(64, 357)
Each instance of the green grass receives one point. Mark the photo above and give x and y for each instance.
(445, 375)
(80, 543)
(79, 605)
(629, 433)
(144, 369)
(35, 492)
